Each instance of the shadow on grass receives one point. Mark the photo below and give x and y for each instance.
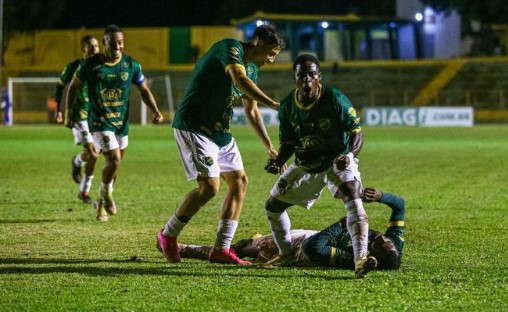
(27, 266)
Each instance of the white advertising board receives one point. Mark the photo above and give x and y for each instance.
(451, 116)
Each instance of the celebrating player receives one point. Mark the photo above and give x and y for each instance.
(329, 247)
(225, 74)
(78, 121)
(320, 126)
(109, 76)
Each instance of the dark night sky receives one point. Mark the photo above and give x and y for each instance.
(143, 13)
(137, 13)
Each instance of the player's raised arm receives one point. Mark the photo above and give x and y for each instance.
(256, 121)
(241, 81)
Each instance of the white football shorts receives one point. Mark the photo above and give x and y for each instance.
(106, 141)
(297, 187)
(81, 133)
(201, 157)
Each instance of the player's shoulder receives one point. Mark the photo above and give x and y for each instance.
(332, 91)
(128, 58)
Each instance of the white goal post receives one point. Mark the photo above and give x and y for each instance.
(29, 99)
(161, 89)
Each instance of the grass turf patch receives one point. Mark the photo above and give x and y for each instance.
(55, 256)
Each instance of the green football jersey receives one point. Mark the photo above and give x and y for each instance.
(81, 104)
(207, 105)
(333, 245)
(109, 88)
(319, 132)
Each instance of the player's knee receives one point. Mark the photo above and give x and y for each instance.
(208, 190)
(274, 205)
(242, 183)
(350, 190)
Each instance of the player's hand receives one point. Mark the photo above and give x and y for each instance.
(371, 195)
(273, 167)
(342, 162)
(58, 117)
(274, 105)
(158, 118)
(272, 152)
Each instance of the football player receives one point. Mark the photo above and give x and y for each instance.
(225, 74)
(329, 247)
(78, 121)
(319, 125)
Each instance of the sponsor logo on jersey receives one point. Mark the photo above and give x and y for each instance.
(208, 161)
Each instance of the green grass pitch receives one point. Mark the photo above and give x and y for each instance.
(54, 256)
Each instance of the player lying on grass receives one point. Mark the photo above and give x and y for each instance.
(329, 247)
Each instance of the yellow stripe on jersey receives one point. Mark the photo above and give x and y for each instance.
(333, 255)
(397, 223)
(229, 66)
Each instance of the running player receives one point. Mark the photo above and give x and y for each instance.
(320, 126)
(109, 76)
(224, 75)
(78, 121)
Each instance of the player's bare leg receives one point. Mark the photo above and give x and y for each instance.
(86, 182)
(190, 205)
(106, 203)
(231, 209)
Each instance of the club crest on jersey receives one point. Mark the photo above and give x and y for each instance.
(324, 124)
(208, 161)
(250, 70)
(124, 76)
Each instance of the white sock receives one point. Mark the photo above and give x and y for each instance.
(106, 188)
(281, 231)
(86, 184)
(226, 230)
(78, 161)
(173, 227)
(358, 227)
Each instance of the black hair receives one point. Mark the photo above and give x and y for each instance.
(269, 35)
(384, 251)
(301, 59)
(86, 39)
(111, 29)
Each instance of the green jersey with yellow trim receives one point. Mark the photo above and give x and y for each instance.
(109, 87)
(81, 104)
(207, 105)
(319, 132)
(333, 247)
